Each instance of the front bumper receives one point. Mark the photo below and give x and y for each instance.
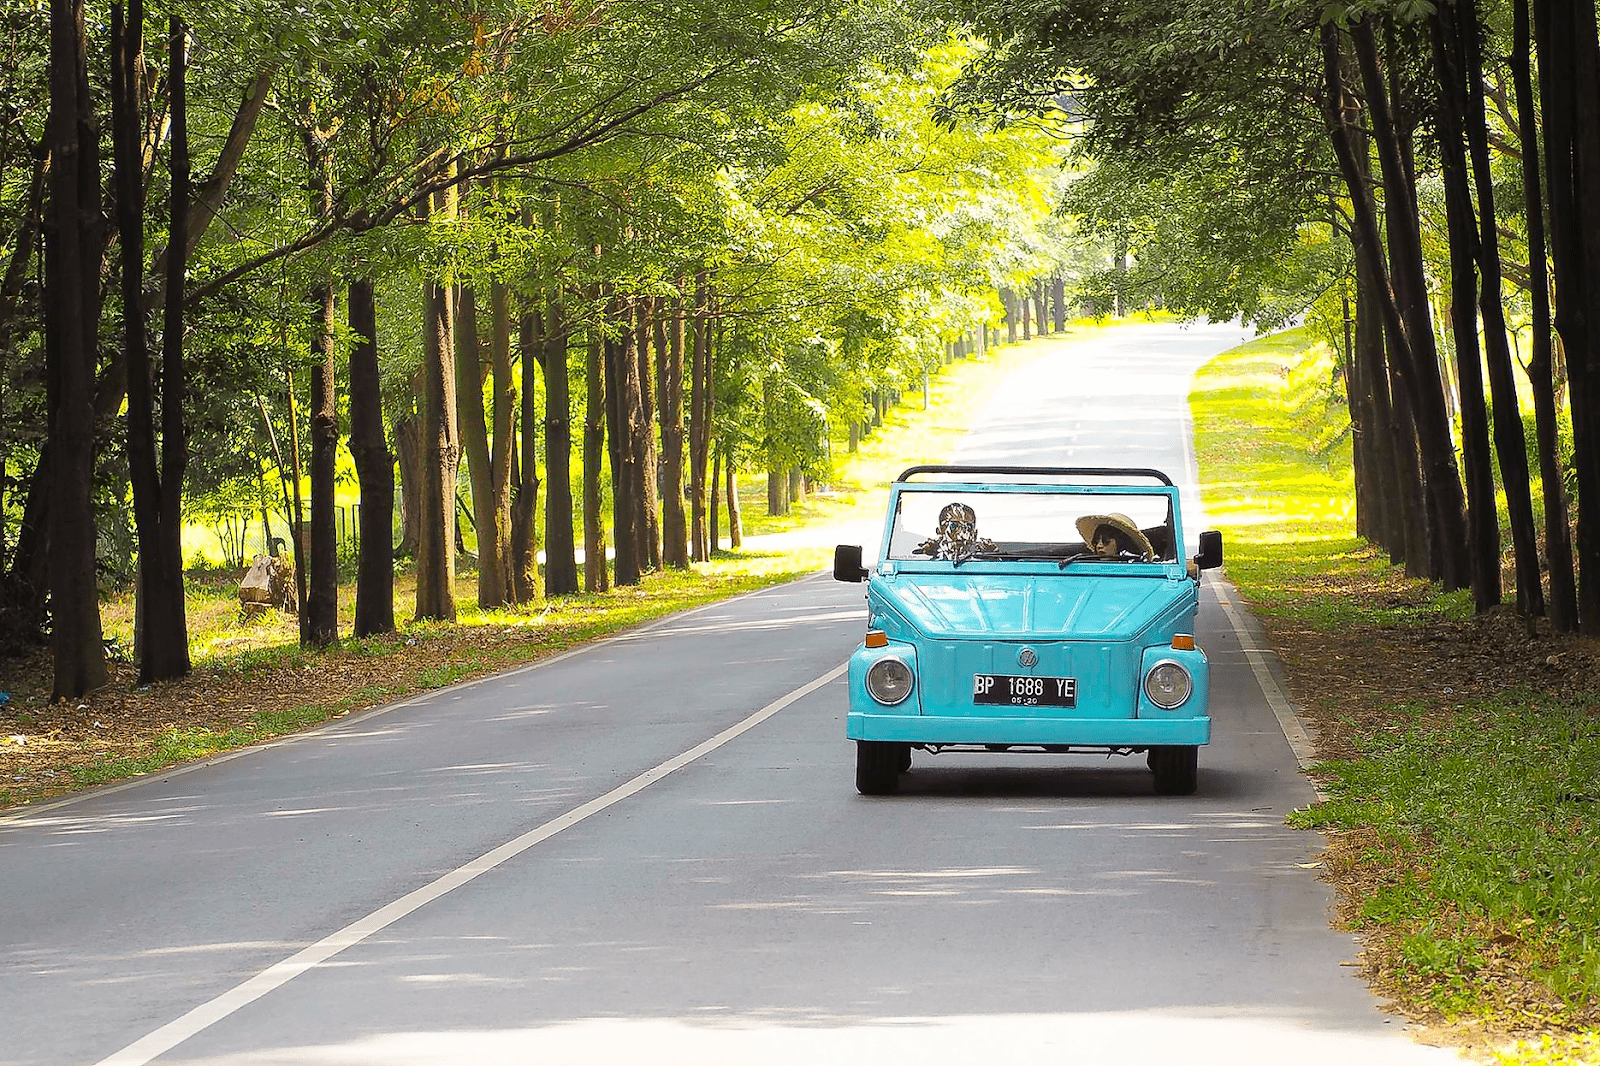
(1084, 732)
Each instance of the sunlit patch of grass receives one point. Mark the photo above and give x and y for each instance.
(1273, 442)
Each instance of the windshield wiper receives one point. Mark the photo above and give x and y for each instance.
(1078, 557)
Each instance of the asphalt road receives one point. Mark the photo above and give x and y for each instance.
(650, 849)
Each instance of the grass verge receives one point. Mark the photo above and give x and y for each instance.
(1461, 804)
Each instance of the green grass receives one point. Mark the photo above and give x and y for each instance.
(1477, 824)
(1272, 436)
(1488, 831)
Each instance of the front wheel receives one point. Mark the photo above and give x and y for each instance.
(1176, 767)
(877, 767)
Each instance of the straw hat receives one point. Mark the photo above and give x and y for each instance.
(1129, 536)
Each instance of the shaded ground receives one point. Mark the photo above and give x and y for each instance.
(1347, 682)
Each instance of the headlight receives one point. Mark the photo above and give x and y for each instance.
(889, 680)
(1168, 684)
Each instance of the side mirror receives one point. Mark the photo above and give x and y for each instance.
(847, 563)
(1210, 556)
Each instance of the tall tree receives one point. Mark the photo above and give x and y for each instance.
(1417, 357)
(161, 632)
(374, 467)
(74, 242)
(440, 452)
(1483, 519)
(624, 410)
(319, 617)
(561, 568)
(596, 578)
(494, 578)
(1510, 444)
(1563, 602)
(674, 528)
(700, 417)
(1570, 99)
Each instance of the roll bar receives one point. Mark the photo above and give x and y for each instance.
(1050, 471)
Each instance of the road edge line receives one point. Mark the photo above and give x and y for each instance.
(1289, 719)
(172, 1034)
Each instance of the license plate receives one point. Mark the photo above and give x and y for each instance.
(1015, 690)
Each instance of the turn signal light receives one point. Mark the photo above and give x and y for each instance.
(877, 638)
(1183, 641)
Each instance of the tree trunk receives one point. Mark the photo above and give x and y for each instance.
(73, 247)
(494, 585)
(716, 475)
(1583, 364)
(1338, 107)
(1510, 444)
(595, 575)
(645, 440)
(504, 445)
(523, 563)
(1419, 363)
(1483, 519)
(674, 528)
(1565, 34)
(735, 521)
(1563, 603)
(171, 659)
(374, 468)
(777, 488)
(1058, 299)
(1381, 433)
(408, 459)
(700, 419)
(622, 410)
(441, 452)
(560, 561)
(161, 626)
(321, 616)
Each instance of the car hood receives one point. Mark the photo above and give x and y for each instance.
(955, 606)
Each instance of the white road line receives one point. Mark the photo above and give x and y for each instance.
(1294, 730)
(172, 1034)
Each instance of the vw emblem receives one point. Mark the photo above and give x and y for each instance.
(1027, 657)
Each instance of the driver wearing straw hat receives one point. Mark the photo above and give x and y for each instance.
(1114, 536)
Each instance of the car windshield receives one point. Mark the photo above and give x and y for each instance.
(1065, 526)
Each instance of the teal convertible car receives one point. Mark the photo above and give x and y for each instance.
(1035, 609)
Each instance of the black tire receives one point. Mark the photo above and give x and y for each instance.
(1176, 768)
(877, 767)
(905, 758)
